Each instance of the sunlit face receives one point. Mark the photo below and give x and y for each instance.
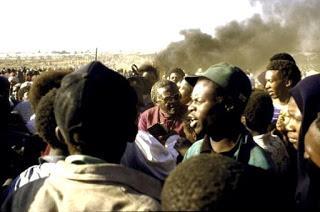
(168, 99)
(312, 144)
(174, 77)
(185, 90)
(275, 86)
(202, 100)
(293, 124)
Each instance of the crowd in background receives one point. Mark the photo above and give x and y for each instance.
(100, 140)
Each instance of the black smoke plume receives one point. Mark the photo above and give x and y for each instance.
(291, 26)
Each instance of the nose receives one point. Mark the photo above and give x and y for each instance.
(289, 126)
(191, 107)
(306, 155)
(267, 85)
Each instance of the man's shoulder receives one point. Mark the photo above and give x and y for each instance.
(259, 157)
(151, 110)
(194, 149)
(21, 199)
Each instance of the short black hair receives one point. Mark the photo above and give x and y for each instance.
(208, 182)
(94, 104)
(259, 111)
(22, 91)
(46, 122)
(178, 71)
(287, 69)
(43, 84)
(283, 56)
(161, 84)
(149, 68)
(4, 86)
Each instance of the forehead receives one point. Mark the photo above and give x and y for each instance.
(312, 138)
(167, 90)
(272, 74)
(174, 74)
(314, 131)
(204, 89)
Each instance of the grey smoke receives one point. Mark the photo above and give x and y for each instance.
(291, 26)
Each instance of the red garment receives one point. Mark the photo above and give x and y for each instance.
(154, 115)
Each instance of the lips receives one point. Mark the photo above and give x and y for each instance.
(193, 121)
(293, 141)
(271, 93)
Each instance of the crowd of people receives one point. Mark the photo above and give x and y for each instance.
(95, 139)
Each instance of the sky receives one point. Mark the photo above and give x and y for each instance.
(145, 26)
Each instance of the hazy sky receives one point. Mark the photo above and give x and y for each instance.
(110, 25)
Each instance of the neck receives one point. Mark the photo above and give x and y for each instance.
(56, 151)
(254, 133)
(223, 145)
(283, 100)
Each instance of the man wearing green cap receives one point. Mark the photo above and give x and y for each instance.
(219, 97)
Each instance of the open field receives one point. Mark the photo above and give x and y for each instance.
(74, 60)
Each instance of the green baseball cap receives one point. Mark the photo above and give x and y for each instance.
(231, 78)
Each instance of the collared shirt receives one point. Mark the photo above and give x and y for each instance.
(47, 165)
(88, 187)
(207, 148)
(245, 151)
(83, 159)
(154, 115)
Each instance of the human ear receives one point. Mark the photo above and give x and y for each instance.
(60, 135)
(288, 83)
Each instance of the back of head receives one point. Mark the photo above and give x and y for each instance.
(283, 56)
(149, 72)
(4, 102)
(177, 71)
(4, 87)
(288, 70)
(46, 122)
(148, 68)
(207, 182)
(43, 84)
(95, 108)
(259, 111)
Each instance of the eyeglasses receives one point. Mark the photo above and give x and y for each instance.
(173, 98)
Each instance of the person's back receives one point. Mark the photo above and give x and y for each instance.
(91, 178)
(257, 118)
(212, 182)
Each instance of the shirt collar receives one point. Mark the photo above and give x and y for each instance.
(207, 148)
(51, 159)
(83, 159)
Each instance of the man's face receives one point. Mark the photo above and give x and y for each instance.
(275, 86)
(312, 144)
(202, 100)
(293, 124)
(185, 89)
(168, 99)
(174, 77)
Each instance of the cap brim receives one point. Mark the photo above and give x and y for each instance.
(192, 80)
